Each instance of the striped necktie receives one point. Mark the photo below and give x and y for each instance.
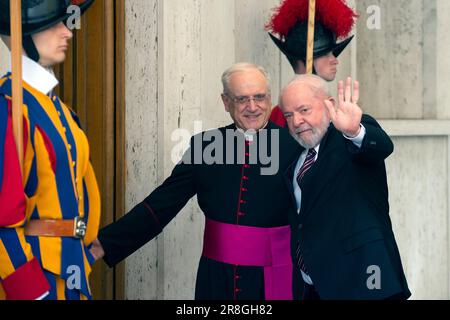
(309, 161)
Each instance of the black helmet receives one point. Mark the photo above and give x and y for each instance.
(295, 43)
(37, 16)
(334, 19)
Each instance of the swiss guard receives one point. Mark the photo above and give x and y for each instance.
(50, 213)
(334, 19)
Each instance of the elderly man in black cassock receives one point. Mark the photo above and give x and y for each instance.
(237, 174)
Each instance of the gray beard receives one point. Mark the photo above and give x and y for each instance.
(318, 134)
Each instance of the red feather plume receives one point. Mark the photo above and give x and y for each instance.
(335, 15)
(77, 2)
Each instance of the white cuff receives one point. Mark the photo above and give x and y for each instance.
(358, 140)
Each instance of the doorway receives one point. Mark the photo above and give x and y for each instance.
(92, 83)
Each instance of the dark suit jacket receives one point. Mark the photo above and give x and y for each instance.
(344, 227)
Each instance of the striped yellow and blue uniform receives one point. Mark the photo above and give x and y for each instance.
(58, 183)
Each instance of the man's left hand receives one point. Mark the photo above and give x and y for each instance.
(97, 250)
(346, 116)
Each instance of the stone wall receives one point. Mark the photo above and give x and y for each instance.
(403, 67)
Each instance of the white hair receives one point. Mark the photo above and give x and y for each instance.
(240, 67)
(318, 85)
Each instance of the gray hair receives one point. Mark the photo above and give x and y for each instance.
(240, 67)
(318, 85)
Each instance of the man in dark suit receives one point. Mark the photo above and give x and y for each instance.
(246, 248)
(345, 244)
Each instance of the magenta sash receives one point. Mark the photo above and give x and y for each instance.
(251, 246)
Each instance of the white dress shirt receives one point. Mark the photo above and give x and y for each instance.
(358, 140)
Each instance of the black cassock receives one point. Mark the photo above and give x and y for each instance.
(239, 193)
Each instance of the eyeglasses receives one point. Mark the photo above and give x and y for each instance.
(244, 100)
